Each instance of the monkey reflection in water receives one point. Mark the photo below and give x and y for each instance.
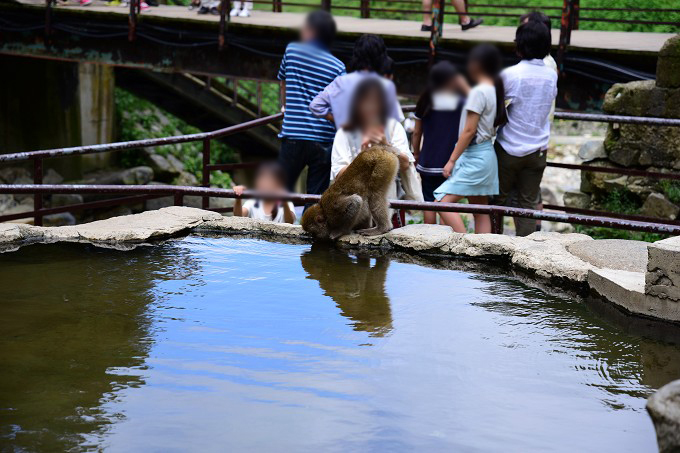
(357, 288)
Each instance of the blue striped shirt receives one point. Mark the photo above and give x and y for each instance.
(307, 69)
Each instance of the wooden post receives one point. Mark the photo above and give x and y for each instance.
(326, 5)
(437, 28)
(132, 21)
(365, 9)
(225, 6)
(205, 174)
(37, 197)
(569, 18)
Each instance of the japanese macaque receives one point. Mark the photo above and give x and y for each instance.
(357, 199)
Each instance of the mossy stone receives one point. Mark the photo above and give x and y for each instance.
(668, 65)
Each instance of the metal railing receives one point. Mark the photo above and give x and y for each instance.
(142, 193)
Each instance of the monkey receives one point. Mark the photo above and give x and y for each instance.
(357, 198)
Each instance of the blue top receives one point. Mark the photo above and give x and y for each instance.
(440, 135)
(307, 69)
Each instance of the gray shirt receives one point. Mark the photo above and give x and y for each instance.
(481, 100)
(337, 97)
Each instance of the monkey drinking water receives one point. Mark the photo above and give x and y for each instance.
(357, 200)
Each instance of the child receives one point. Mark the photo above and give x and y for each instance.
(438, 115)
(472, 169)
(270, 178)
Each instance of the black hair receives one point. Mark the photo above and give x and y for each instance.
(323, 25)
(275, 170)
(532, 40)
(367, 86)
(440, 75)
(369, 53)
(490, 61)
(536, 16)
(387, 67)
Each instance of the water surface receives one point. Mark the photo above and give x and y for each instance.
(223, 344)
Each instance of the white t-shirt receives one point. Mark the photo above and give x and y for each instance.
(530, 89)
(256, 211)
(346, 147)
(481, 100)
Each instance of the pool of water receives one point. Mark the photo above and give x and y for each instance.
(223, 344)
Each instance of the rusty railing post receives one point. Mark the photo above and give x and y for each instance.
(365, 9)
(48, 20)
(437, 28)
(132, 21)
(225, 6)
(179, 198)
(276, 6)
(496, 222)
(570, 12)
(37, 197)
(205, 202)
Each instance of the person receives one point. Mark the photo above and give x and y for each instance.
(271, 178)
(466, 22)
(522, 144)
(369, 59)
(369, 124)
(438, 114)
(306, 69)
(241, 9)
(472, 169)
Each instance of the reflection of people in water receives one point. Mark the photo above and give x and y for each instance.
(356, 287)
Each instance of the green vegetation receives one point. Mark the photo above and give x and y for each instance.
(671, 189)
(623, 202)
(551, 7)
(139, 119)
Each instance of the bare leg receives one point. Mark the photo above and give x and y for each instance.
(453, 219)
(430, 217)
(427, 17)
(482, 221)
(459, 5)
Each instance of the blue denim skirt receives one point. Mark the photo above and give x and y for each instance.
(475, 173)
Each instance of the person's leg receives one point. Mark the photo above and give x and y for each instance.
(461, 8)
(507, 177)
(429, 184)
(529, 189)
(427, 17)
(482, 221)
(292, 159)
(453, 219)
(319, 166)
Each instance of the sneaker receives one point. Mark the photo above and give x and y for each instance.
(426, 27)
(235, 10)
(214, 11)
(472, 24)
(85, 2)
(244, 13)
(203, 10)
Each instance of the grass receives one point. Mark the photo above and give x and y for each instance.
(517, 7)
(139, 119)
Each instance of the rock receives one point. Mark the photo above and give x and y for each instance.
(65, 199)
(642, 186)
(592, 182)
(668, 64)
(163, 202)
(116, 211)
(215, 202)
(176, 164)
(136, 175)
(663, 270)
(61, 219)
(591, 150)
(186, 179)
(664, 409)
(642, 98)
(620, 183)
(636, 145)
(10, 175)
(162, 168)
(548, 196)
(578, 200)
(52, 177)
(617, 254)
(6, 201)
(657, 205)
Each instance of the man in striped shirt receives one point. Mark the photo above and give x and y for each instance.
(306, 69)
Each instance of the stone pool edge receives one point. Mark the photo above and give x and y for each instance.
(654, 293)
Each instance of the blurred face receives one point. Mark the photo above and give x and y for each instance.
(307, 34)
(370, 109)
(267, 183)
(474, 70)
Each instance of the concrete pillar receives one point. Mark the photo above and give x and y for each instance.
(96, 98)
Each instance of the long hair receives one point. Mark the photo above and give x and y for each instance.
(369, 86)
(490, 61)
(440, 75)
(369, 53)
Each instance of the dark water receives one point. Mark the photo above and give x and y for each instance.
(245, 345)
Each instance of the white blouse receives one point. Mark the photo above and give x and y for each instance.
(347, 146)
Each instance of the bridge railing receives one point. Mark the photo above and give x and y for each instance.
(142, 193)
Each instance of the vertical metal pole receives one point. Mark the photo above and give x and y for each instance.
(437, 28)
(234, 100)
(496, 222)
(365, 9)
(37, 197)
(575, 15)
(48, 20)
(258, 88)
(566, 25)
(132, 21)
(326, 5)
(179, 198)
(225, 5)
(205, 203)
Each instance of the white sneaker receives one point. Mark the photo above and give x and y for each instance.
(235, 10)
(245, 12)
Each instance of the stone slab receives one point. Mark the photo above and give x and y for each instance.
(617, 254)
